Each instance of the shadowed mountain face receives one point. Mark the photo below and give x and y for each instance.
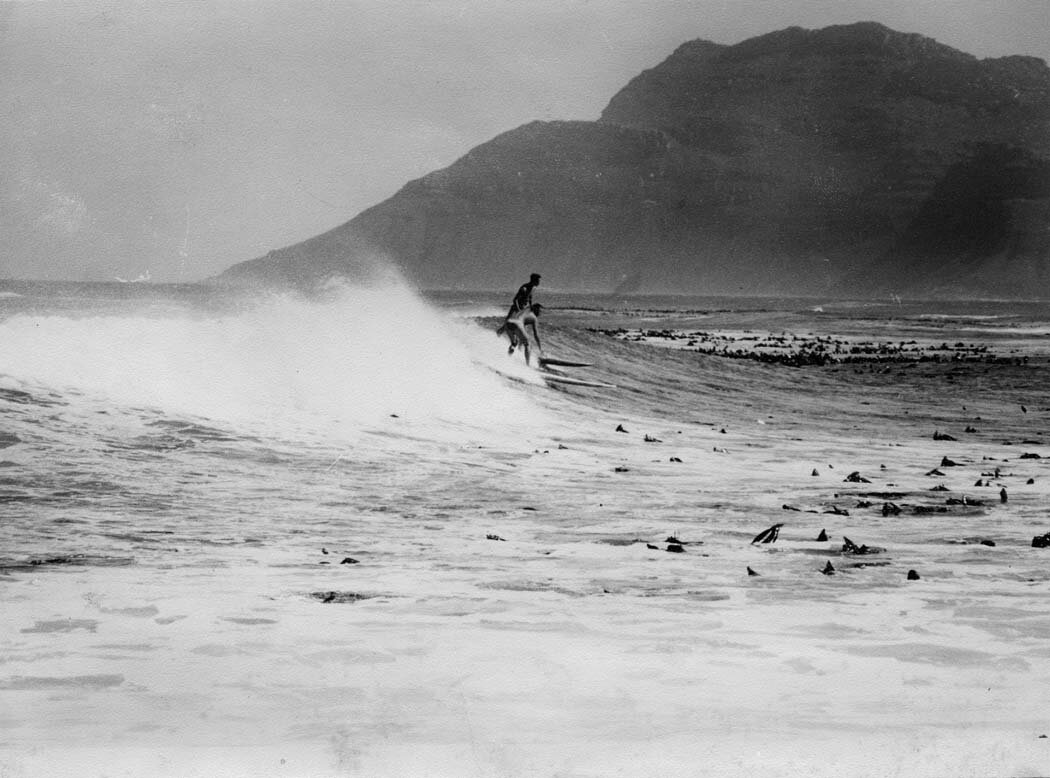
(851, 160)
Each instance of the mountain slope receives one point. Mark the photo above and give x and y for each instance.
(799, 162)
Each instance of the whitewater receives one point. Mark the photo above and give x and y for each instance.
(347, 534)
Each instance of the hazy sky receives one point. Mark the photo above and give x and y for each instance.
(177, 138)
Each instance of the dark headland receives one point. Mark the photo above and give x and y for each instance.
(852, 160)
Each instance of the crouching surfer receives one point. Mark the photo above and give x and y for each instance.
(515, 329)
(522, 301)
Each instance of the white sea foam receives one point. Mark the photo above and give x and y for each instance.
(354, 359)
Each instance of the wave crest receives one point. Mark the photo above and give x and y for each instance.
(342, 361)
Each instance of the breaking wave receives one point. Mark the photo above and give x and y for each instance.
(352, 359)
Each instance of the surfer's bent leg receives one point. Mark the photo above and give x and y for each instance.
(511, 331)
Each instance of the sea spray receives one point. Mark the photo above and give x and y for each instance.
(346, 361)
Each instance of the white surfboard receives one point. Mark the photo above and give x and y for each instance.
(544, 361)
(570, 381)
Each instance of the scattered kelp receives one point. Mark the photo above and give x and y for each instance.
(341, 597)
(796, 350)
(65, 560)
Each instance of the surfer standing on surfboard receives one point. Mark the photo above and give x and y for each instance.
(522, 301)
(515, 326)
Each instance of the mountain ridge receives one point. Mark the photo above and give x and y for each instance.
(829, 161)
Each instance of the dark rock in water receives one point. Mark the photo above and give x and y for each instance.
(350, 561)
(621, 469)
(939, 488)
(619, 428)
(856, 478)
(751, 572)
(822, 537)
(1041, 541)
(815, 472)
(913, 576)
(849, 547)
(945, 462)
(935, 471)
(786, 507)
(941, 436)
(722, 431)
(768, 535)
(1030, 481)
(650, 545)
(494, 537)
(890, 509)
(676, 459)
(1002, 495)
(829, 569)
(1030, 456)
(675, 548)
(988, 543)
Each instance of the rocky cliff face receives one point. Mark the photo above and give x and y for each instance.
(849, 160)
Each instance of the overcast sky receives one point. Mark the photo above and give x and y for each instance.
(177, 138)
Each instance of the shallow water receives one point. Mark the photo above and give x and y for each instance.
(251, 536)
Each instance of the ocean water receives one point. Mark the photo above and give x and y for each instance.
(349, 535)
